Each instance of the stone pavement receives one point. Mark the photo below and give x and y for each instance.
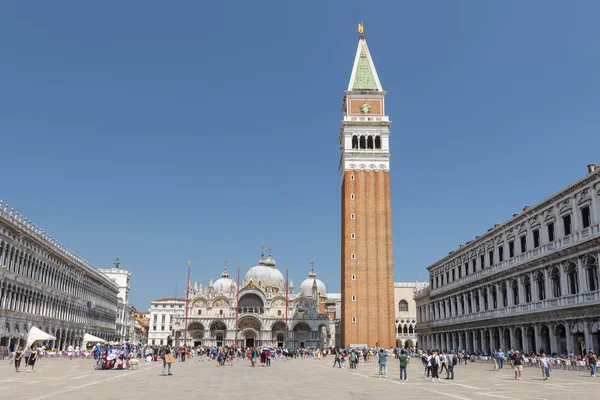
(296, 379)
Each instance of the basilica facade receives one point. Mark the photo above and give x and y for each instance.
(262, 311)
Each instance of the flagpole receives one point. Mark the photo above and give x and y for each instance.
(237, 307)
(287, 290)
(187, 296)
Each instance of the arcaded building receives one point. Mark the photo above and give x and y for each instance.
(530, 283)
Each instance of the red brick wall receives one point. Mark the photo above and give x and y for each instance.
(373, 266)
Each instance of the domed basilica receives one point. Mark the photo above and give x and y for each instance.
(259, 313)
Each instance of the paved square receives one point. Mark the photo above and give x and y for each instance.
(296, 379)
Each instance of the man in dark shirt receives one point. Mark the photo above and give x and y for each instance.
(591, 362)
(517, 360)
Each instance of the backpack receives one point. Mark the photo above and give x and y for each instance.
(454, 360)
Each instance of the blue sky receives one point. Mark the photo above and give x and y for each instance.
(162, 132)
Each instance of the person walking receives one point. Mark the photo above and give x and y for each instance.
(591, 362)
(382, 363)
(500, 359)
(32, 358)
(435, 363)
(17, 358)
(545, 365)
(517, 360)
(404, 360)
(167, 358)
(452, 361)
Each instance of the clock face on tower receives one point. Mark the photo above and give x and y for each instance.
(365, 108)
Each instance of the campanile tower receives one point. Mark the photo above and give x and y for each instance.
(367, 261)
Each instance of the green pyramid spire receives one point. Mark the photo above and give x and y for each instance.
(364, 78)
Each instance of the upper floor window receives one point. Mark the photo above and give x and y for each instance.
(459, 271)
(585, 216)
(482, 261)
(536, 238)
(551, 232)
(491, 254)
(567, 224)
(473, 265)
(591, 269)
(511, 248)
(501, 253)
(523, 243)
(403, 305)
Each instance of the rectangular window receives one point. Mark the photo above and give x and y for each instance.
(523, 243)
(482, 261)
(551, 232)
(511, 249)
(162, 328)
(459, 271)
(491, 254)
(453, 275)
(501, 253)
(353, 298)
(447, 276)
(567, 224)
(163, 318)
(442, 279)
(161, 341)
(585, 216)
(154, 327)
(536, 238)
(437, 281)
(155, 318)
(474, 265)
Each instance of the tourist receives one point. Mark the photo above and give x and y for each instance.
(545, 365)
(17, 358)
(32, 358)
(452, 360)
(500, 359)
(404, 360)
(494, 357)
(591, 363)
(382, 363)
(517, 361)
(435, 363)
(167, 357)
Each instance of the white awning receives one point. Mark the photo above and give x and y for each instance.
(87, 338)
(37, 335)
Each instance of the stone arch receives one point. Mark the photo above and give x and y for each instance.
(363, 142)
(370, 142)
(409, 344)
(354, 142)
(249, 321)
(220, 302)
(377, 142)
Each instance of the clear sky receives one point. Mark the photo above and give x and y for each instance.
(162, 132)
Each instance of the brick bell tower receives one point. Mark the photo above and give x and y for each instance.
(367, 261)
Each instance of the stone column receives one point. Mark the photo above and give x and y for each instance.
(484, 341)
(569, 336)
(564, 287)
(509, 296)
(524, 340)
(538, 342)
(490, 297)
(589, 343)
(534, 295)
(553, 339)
(581, 276)
(481, 302)
(461, 345)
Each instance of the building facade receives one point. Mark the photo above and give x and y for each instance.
(366, 261)
(258, 313)
(163, 314)
(406, 313)
(44, 284)
(529, 284)
(125, 321)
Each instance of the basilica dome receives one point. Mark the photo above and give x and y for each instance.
(265, 274)
(224, 284)
(307, 286)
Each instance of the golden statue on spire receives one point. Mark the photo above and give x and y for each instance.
(361, 30)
